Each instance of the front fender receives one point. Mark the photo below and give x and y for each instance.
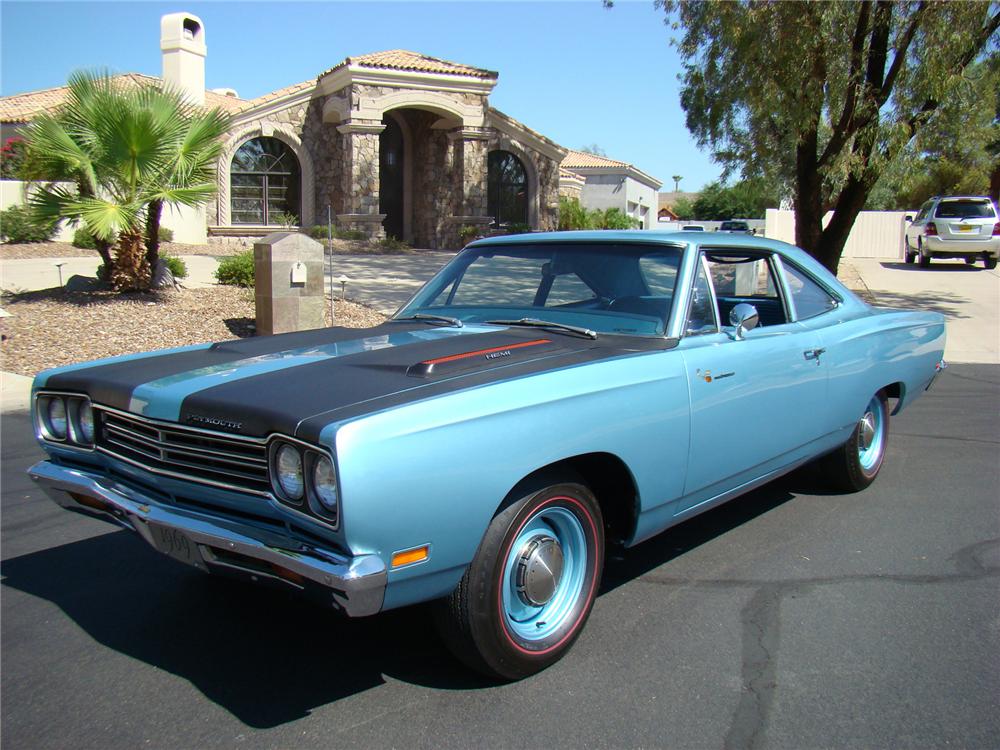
(435, 472)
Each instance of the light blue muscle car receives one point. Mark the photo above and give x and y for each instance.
(543, 396)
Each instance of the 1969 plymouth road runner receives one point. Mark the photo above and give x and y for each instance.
(543, 396)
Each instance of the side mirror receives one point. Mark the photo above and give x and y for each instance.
(744, 318)
(908, 217)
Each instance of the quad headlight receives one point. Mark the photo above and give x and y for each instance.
(305, 478)
(65, 418)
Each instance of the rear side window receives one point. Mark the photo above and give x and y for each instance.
(809, 298)
(965, 209)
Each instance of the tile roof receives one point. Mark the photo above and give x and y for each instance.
(22, 107)
(271, 96)
(580, 159)
(401, 59)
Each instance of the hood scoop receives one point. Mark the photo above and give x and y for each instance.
(479, 359)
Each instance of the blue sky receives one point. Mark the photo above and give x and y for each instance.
(574, 71)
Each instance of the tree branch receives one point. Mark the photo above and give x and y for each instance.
(900, 54)
(843, 129)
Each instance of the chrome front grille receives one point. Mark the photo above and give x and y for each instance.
(188, 453)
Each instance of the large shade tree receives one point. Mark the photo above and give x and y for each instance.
(128, 150)
(822, 97)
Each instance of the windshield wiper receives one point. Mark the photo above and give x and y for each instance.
(536, 323)
(454, 322)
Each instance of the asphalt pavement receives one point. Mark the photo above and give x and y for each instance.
(789, 618)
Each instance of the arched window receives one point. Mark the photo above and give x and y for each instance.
(265, 183)
(507, 196)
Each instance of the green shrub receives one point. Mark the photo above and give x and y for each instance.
(236, 270)
(349, 234)
(318, 232)
(468, 233)
(82, 238)
(18, 225)
(392, 244)
(177, 266)
(615, 218)
(572, 215)
(165, 235)
(517, 228)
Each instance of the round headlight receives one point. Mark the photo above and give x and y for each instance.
(325, 483)
(289, 466)
(57, 418)
(85, 419)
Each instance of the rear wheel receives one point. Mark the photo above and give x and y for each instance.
(990, 261)
(970, 260)
(530, 588)
(855, 464)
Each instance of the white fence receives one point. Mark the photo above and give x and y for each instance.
(875, 234)
(12, 194)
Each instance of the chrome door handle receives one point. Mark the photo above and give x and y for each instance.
(813, 353)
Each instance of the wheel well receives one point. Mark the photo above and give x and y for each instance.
(895, 391)
(608, 478)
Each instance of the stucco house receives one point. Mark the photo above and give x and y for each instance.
(607, 183)
(395, 143)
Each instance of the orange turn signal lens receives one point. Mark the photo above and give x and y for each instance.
(410, 556)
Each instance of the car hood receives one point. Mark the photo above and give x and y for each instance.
(297, 383)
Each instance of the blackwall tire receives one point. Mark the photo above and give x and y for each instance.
(513, 615)
(855, 464)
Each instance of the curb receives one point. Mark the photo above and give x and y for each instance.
(15, 392)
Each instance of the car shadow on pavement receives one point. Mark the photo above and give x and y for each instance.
(270, 657)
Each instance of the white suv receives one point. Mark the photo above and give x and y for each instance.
(955, 226)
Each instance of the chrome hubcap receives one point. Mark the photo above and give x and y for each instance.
(539, 568)
(867, 431)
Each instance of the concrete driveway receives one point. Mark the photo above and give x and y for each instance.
(969, 296)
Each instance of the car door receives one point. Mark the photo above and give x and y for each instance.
(756, 402)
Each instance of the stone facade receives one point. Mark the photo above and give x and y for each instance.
(448, 131)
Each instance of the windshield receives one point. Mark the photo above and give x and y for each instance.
(734, 226)
(967, 209)
(620, 288)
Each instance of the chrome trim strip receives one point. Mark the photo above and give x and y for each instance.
(357, 584)
(162, 424)
(185, 477)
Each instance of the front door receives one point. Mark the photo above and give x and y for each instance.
(390, 177)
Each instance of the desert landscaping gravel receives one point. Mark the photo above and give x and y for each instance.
(51, 327)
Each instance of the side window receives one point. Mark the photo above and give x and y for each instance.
(924, 210)
(701, 314)
(810, 298)
(745, 277)
(568, 288)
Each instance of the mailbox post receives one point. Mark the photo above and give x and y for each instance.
(288, 272)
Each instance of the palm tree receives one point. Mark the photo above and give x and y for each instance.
(677, 182)
(129, 150)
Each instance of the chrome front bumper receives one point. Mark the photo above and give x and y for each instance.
(357, 584)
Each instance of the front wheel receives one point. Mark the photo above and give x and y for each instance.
(530, 588)
(854, 465)
(909, 255)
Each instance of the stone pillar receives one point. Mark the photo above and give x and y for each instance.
(471, 163)
(360, 178)
(288, 294)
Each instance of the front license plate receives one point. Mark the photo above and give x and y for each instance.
(175, 543)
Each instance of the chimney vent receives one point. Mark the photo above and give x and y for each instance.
(182, 42)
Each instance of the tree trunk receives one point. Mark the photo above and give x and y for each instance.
(833, 239)
(153, 211)
(104, 250)
(131, 270)
(808, 196)
(995, 182)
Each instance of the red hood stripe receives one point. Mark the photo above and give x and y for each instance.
(481, 352)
